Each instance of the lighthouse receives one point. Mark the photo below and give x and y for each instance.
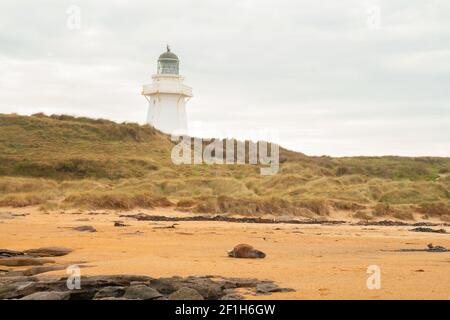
(167, 96)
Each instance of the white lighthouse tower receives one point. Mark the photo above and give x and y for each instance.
(167, 96)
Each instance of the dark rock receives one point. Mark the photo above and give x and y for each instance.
(34, 271)
(83, 294)
(186, 293)
(285, 290)
(203, 285)
(113, 280)
(266, 287)
(222, 218)
(85, 229)
(23, 261)
(232, 296)
(436, 248)
(47, 295)
(12, 290)
(6, 253)
(424, 224)
(430, 248)
(120, 224)
(141, 292)
(41, 286)
(48, 252)
(391, 223)
(209, 289)
(163, 285)
(16, 279)
(422, 229)
(232, 283)
(109, 292)
(388, 223)
(130, 287)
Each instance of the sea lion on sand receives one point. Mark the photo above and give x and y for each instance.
(245, 251)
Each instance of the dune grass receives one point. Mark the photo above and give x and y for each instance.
(63, 161)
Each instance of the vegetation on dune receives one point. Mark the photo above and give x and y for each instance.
(63, 161)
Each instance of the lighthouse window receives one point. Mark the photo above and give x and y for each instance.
(168, 67)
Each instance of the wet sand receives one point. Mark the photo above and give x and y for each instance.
(318, 261)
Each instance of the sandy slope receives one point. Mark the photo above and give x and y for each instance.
(319, 262)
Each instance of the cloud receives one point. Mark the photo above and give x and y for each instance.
(311, 70)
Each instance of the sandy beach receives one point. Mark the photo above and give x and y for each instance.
(318, 261)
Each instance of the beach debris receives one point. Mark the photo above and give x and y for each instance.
(120, 224)
(172, 226)
(85, 229)
(430, 248)
(433, 248)
(422, 229)
(390, 223)
(20, 214)
(135, 233)
(227, 218)
(385, 223)
(222, 218)
(245, 251)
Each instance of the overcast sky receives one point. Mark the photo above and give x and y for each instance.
(328, 77)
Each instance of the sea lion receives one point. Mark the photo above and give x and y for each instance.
(245, 251)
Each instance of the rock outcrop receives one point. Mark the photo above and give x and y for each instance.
(131, 287)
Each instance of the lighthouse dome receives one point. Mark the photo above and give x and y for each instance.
(168, 63)
(168, 55)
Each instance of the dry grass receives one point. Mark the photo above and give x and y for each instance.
(99, 164)
(116, 200)
(19, 200)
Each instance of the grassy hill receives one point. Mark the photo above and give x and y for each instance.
(59, 162)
